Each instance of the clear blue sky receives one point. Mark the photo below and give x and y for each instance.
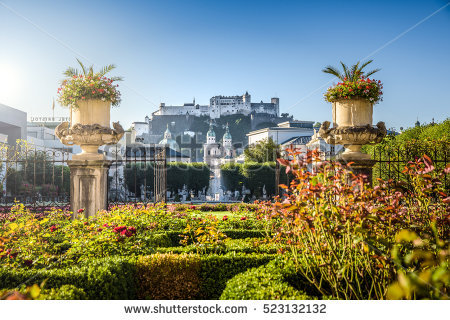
(172, 51)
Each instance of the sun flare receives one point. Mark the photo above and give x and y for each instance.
(9, 80)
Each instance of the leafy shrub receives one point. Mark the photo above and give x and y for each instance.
(109, 278)
(65, 292)
(168, 276)
(204, 234)
(216, 270)
(340, 233)
(248, 245)
(267, 282)
(243, 234)
(422, 267)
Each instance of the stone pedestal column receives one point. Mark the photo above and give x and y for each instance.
(88, 186)
(360, 166)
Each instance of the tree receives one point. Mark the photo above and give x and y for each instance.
(317, 124)
(350, 74)
(263, 151)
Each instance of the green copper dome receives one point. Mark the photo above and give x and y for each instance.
(227, 135)
(210, 132)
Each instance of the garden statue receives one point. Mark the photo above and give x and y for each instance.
(89, 96)
(352, 109)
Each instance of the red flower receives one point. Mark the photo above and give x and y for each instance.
(53, 228)
(119, 229)
(224, 218)
(99, 229)
(132, 229)
(243, 218)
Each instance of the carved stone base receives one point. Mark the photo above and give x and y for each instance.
(88, 186)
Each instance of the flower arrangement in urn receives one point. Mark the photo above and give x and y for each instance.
(352, 106)
(89, 95)
(85, 85)
(355, 84)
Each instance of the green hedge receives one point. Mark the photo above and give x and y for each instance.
(172, 238)
(121, 278)
(216, 270)
(231, 246)
(267, 282)
(109, 278)
(65, 292)
(254, 176)
(194, 175)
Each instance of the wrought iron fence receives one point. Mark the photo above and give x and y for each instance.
(391, 159)
(37, 178)
(137, 174)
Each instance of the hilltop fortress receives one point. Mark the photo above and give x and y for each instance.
(222, 106)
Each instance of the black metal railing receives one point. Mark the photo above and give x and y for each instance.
(137, 174)
(37, 178)
(391, 160)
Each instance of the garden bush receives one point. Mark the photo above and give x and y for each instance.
(168, 276)
(341, 232)
(247, 245)
(216, 270)
(109, 278)
(65, 292)
(267, 282)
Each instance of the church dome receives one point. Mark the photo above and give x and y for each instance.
(168, 141)
(227, 135)
(210, 132)
(172, 144)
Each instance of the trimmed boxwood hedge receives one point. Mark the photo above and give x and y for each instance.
(109, 278)
(173, 237)
(65, 292)
(216, 270)
(118, 277)
(267, 282)
(232, 246)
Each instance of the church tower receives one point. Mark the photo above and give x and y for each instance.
(227, 137)
(210, 135)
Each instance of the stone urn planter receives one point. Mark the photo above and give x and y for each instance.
(352, 127)
(89, 128)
